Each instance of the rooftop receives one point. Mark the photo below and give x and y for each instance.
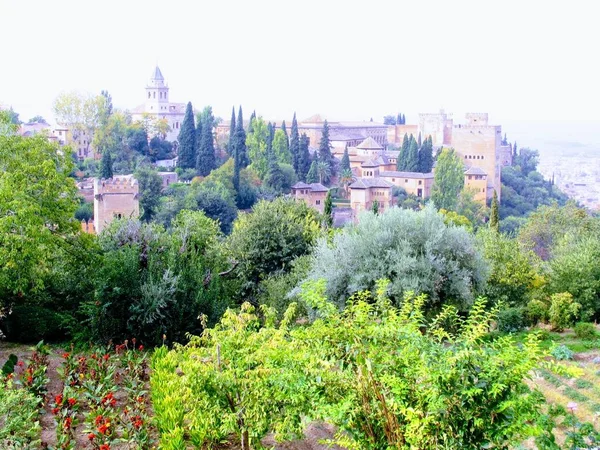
(369, 144)
(366, 183)
(397, 174)
(475, 171)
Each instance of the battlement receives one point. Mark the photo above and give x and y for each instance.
(125, 184)
(477, 118)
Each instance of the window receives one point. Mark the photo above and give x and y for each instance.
(469, 177)
(393, 179)
(481, 156)
(420, 182)
(154, 94)
(318, 202)
(406, 180)
(148, 94)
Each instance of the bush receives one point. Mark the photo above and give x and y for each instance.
(585, 330)
(511, 320)
(537, 311)
(562, 352)
(563, 311)
(32, 323)
(19, 418)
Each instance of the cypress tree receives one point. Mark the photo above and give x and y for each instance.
(295, 148)
(325, 145)
(514, 155)
(312, 175)
(106, 168)
(412, 161)
(399, 119)
(287, 138)
(206, 160)
(270, 136)
(426, 156)
(251, 124)
(403, 119)
(198, 135)
(187, 140)
(375, 207)
(275, 178)
(345, 163)
(494, 215)
(231, 132)
(304, 161)
(420, 142)
(240, 141)
(402, 160)
(328, 211)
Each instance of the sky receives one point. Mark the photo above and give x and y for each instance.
(347, 60)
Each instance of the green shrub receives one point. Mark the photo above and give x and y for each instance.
(32, 323)
(585, 330)
(561, 352)
(20, 427)
(583, 384)
(563, 310)
(511, 320)
(537, 311)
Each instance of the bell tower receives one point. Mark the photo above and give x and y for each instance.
(157, 94)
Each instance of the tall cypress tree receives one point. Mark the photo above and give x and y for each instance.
(295, 147)
(412, 161)
(251, 122)
(231, 132)
(240, 140)
(287, 138)
(426, 156)
(325, 145)
(420, 142)
(312, 176)
(270, 137)
(345, 162)
(514, 155)
(328, 211)
(304, 160)
(187, 140)
(198, 138)
(403, 119)
(494, 215)
(402, 160)
(399, 119)
(206, 160)
(106, 167)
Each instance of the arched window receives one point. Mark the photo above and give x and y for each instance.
(154, 94)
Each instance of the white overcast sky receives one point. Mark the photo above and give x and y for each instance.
(349, 60)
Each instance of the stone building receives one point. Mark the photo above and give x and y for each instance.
(369, 188)
(157, 105)
(313, 194)
(476, 181)
(115, 198)
(414, 183)
(477, 142)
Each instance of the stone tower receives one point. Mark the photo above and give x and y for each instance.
(115, 198)
(157, 93)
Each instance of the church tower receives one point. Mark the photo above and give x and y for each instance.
(157, 94)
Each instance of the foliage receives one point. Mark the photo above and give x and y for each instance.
(268, 239)
(426, 156)
(453, 218)
(448, 179)
(585, 330)
(19, 417)
(417, 251)
(513, 274)
(150, 187)
(38, 200)
(524, 189)
(561, 352)
(494, 217)
(325, 155)
(563, 311)
(511, 320)
(545, 226)
(575, 269)
(328, 211)
(206, 160)
(281, 147)
(187, 140)
(369, 370)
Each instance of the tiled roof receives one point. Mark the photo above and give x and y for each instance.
(366, 183)
(397, 174)
(370, 163)
(475, 171)
(314, 187)
(369, 144)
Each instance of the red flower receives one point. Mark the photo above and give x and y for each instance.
(30, 379)
(105, 357)
(103, 429)
(141, 348)
(68, 422)
(105, 447)
(66, 355)
(91, 436)
(58, 399)
(20, 364)
(72, 401)
(98, 420)
(55, 411)
(137, 422)
(140, 399)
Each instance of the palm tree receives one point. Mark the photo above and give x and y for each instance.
(323, 171)
(346, 179)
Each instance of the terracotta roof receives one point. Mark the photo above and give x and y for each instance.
(370, 163)
(366, 183)
(369, 144)
(475, 171)
(397, 174)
